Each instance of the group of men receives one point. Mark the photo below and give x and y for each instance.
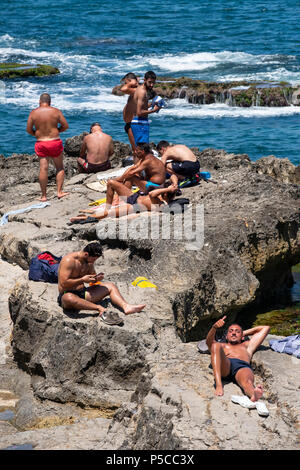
(46, 123)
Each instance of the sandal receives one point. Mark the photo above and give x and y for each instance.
(111, 318)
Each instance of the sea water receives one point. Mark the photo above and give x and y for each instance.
(95, 43)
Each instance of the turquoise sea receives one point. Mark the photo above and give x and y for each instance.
(95, 43)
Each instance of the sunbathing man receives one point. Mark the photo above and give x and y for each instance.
(77, 269)
(154, 170)
(46, 123)
(232, 359)
(95, 151)
(130, 202)
(131, 83)
(184, 163)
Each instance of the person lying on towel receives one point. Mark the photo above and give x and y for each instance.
(129, 201)
(232, 359)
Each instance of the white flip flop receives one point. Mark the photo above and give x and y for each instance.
(243, 401)
(262, 410)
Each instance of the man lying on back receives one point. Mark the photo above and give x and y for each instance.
(232, 359)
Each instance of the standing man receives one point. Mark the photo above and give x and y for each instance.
(183, 162)
(95, 151)
(131, 83)
(140, 123)
(232, 359)
(46, 123)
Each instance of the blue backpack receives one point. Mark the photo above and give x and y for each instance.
(44, 270)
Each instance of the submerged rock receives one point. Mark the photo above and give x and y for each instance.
(16, 70)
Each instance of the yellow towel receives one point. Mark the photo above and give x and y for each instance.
(143, 282)
(101, 201)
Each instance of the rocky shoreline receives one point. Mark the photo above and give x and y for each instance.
(84, 385)
(239, 93)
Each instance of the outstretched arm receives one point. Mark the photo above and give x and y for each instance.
(258, 334)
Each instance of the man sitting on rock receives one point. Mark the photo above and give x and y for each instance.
(232, 359)
(183, 163)
(77, 269)
(95, 151)
(148, 173)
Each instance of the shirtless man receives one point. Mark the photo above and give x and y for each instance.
(184, 163)
(130, 202)
(140, 109)
(232, 359)
(95, 151)
(131, 83)
(154, 169)
(46, 123)
(77, 269)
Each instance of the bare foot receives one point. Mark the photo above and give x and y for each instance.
(133, 308)
(42, 199)
(80, 217)
(257, 393)
(62, 194)
(219, 391)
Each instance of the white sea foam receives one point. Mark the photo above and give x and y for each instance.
(216, 111)
(6, 37)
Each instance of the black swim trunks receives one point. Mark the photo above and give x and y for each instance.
(186, 168)
(132, 200)
(88, 167)
(236, 365)
(80, 293)
(127, 127)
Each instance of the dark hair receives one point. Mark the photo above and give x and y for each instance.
(150, 74)
(93, 125)
(94, 249)
(129, 76)
(161, 144)
(45, 98)
(144, 146)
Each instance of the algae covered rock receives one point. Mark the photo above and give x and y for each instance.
(15, 70)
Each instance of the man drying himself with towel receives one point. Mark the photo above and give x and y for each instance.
(232, 359)
(46, 123)
(95, 151)
(183, 161)
(154, 170)
(77, 269)
(140, 123)
(130, 202)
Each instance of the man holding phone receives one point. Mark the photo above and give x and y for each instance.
(77, 269)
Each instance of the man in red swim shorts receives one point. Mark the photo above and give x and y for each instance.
(46, 123)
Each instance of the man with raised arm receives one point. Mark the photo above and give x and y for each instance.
(232, 359)
(46, 123)
(95, 151)
(140, 124)
(77, 269)
(130, 84)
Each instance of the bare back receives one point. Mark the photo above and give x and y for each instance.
(46, 121)
(180, 153)
(98, 147)
(155, 170)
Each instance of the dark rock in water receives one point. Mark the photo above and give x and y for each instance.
(15, 70)
(239, 93)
